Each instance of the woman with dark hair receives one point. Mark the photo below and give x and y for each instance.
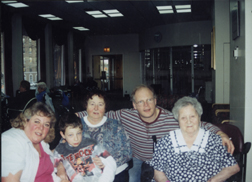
(108, 132)
(25, 153)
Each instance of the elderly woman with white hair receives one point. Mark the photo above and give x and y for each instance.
(191, 153)
(43, 96)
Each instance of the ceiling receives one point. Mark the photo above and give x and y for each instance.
(138, 15)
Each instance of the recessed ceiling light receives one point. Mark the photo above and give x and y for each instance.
(76, 1)
(183, 6)
(94, 12)
(183, 10)
(166, 11)
(110, 11)
(47, 15)
(100, 16)
(8, 2)
(115, 15)
(81, 28)
(18, 5)
(54, 18)
(164, 7)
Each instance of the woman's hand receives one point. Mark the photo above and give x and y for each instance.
(160, 176)
(225, 173)
(226, 142)
(98, 162)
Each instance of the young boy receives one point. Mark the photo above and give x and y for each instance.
(78, 154)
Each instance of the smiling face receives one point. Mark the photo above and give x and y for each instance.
(72, 135)
(36, 128)
(95, 109)
(189, 120)
(145, 104)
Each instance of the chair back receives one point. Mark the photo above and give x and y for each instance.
(30, 103)
(235, 134)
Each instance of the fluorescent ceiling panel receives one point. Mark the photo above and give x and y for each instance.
(47, 15)
(76, 1)
(166, 11)
(54, 18)
(183, 6)
(81, 28)
(164, 7)
(115, 15)
(8, 2)
(18, 5)
(183, 10)
(111, 11)
(94, 12)
(100, 16)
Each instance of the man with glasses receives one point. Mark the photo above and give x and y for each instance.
(145, 120)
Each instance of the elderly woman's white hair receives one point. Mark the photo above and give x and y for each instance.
(185, 101)
(42, 85)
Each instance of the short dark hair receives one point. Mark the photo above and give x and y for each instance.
(69, 119)
(100, 94)
(25, 84)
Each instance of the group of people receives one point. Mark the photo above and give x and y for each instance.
(97, 146)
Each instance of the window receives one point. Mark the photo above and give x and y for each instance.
(180, 70)
(2, 65)
(30, 60)
(30, 78)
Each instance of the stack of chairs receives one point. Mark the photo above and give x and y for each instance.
(220, 112)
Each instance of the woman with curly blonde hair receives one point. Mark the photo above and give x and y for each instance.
(25, 151)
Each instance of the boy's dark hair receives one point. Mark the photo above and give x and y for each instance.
(69, 119)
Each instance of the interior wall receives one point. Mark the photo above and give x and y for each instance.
(240, 77)
(248, 82)
(127, 45)
(222, 51)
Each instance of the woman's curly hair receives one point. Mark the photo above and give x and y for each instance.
(39, 109)
(100, 94)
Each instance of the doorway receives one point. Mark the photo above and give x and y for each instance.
(108, 72)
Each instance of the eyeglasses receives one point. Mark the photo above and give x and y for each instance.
(142, 102)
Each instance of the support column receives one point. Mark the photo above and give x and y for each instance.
(70, 58)
(17, 52)
(49, 56)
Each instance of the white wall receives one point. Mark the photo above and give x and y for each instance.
(127, 45)
(248, 82)
(178, 34)
(240, 78)
(222, 51)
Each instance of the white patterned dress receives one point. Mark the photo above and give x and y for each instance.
(206, 158)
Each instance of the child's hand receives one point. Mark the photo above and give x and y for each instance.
(61, 172)
(98, 162)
